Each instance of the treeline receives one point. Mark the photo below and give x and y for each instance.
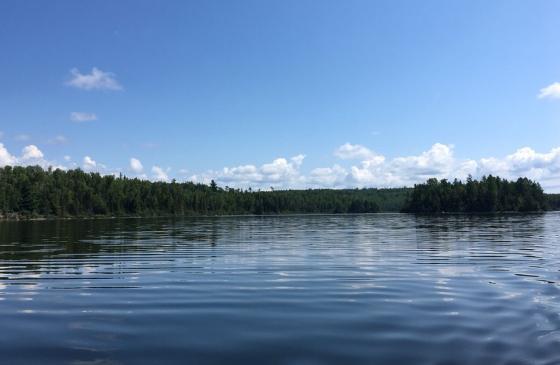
(553, 201)
(33, 191)
(490, 194)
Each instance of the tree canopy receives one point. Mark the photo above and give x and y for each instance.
(33, 191)
(490, 194)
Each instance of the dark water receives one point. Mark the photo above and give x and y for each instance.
(364, 289)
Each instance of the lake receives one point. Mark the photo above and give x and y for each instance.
(315, 289)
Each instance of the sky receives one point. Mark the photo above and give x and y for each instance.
(283, 94)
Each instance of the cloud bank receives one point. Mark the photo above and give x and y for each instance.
(374, 170)
(281, 172)
(30, 155)
(357, 166)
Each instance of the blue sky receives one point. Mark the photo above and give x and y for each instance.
(283, 93)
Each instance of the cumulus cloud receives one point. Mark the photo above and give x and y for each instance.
(297, 160)
(350, 151)
(332, 177)
(544, 167)
(5, 157)
(89, 163)
(281, 172)
(375, 170)
(552, 91)
(136, 165)
(370, 169)
(31, 152)
(80, 117)
(438, 161)
(159, 174)
(96, 80)
(30, 155)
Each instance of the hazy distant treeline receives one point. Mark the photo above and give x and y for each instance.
(490, 194)
(33, 191)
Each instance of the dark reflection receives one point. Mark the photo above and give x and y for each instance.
(491, 231)
(30, 240)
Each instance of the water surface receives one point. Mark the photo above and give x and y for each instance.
(356, 289)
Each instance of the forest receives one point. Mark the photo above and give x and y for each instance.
(553, 201)
(27, 192)
(490, 194)
(35, 192)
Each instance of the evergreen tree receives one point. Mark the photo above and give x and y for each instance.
(490, 194)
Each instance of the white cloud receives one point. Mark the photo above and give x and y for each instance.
(333, 177)
(136, 165)
(350, 151)
(280, 173)
(31, 152)
(30, 155)
(5, 157)
(280, 169)
(297, 160)
(552, 91)
(80, 117)
(544, 167)
(159, 174)
(96, 80)
(373, 170)
(437, 162)
(89, 163)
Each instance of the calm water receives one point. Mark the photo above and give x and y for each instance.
(362, 289)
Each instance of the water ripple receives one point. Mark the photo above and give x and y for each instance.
(359, 289)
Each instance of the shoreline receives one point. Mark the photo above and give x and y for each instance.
(14, 217)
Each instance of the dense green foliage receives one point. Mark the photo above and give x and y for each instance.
(553, 201)
(32, 191)
(490, 194)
